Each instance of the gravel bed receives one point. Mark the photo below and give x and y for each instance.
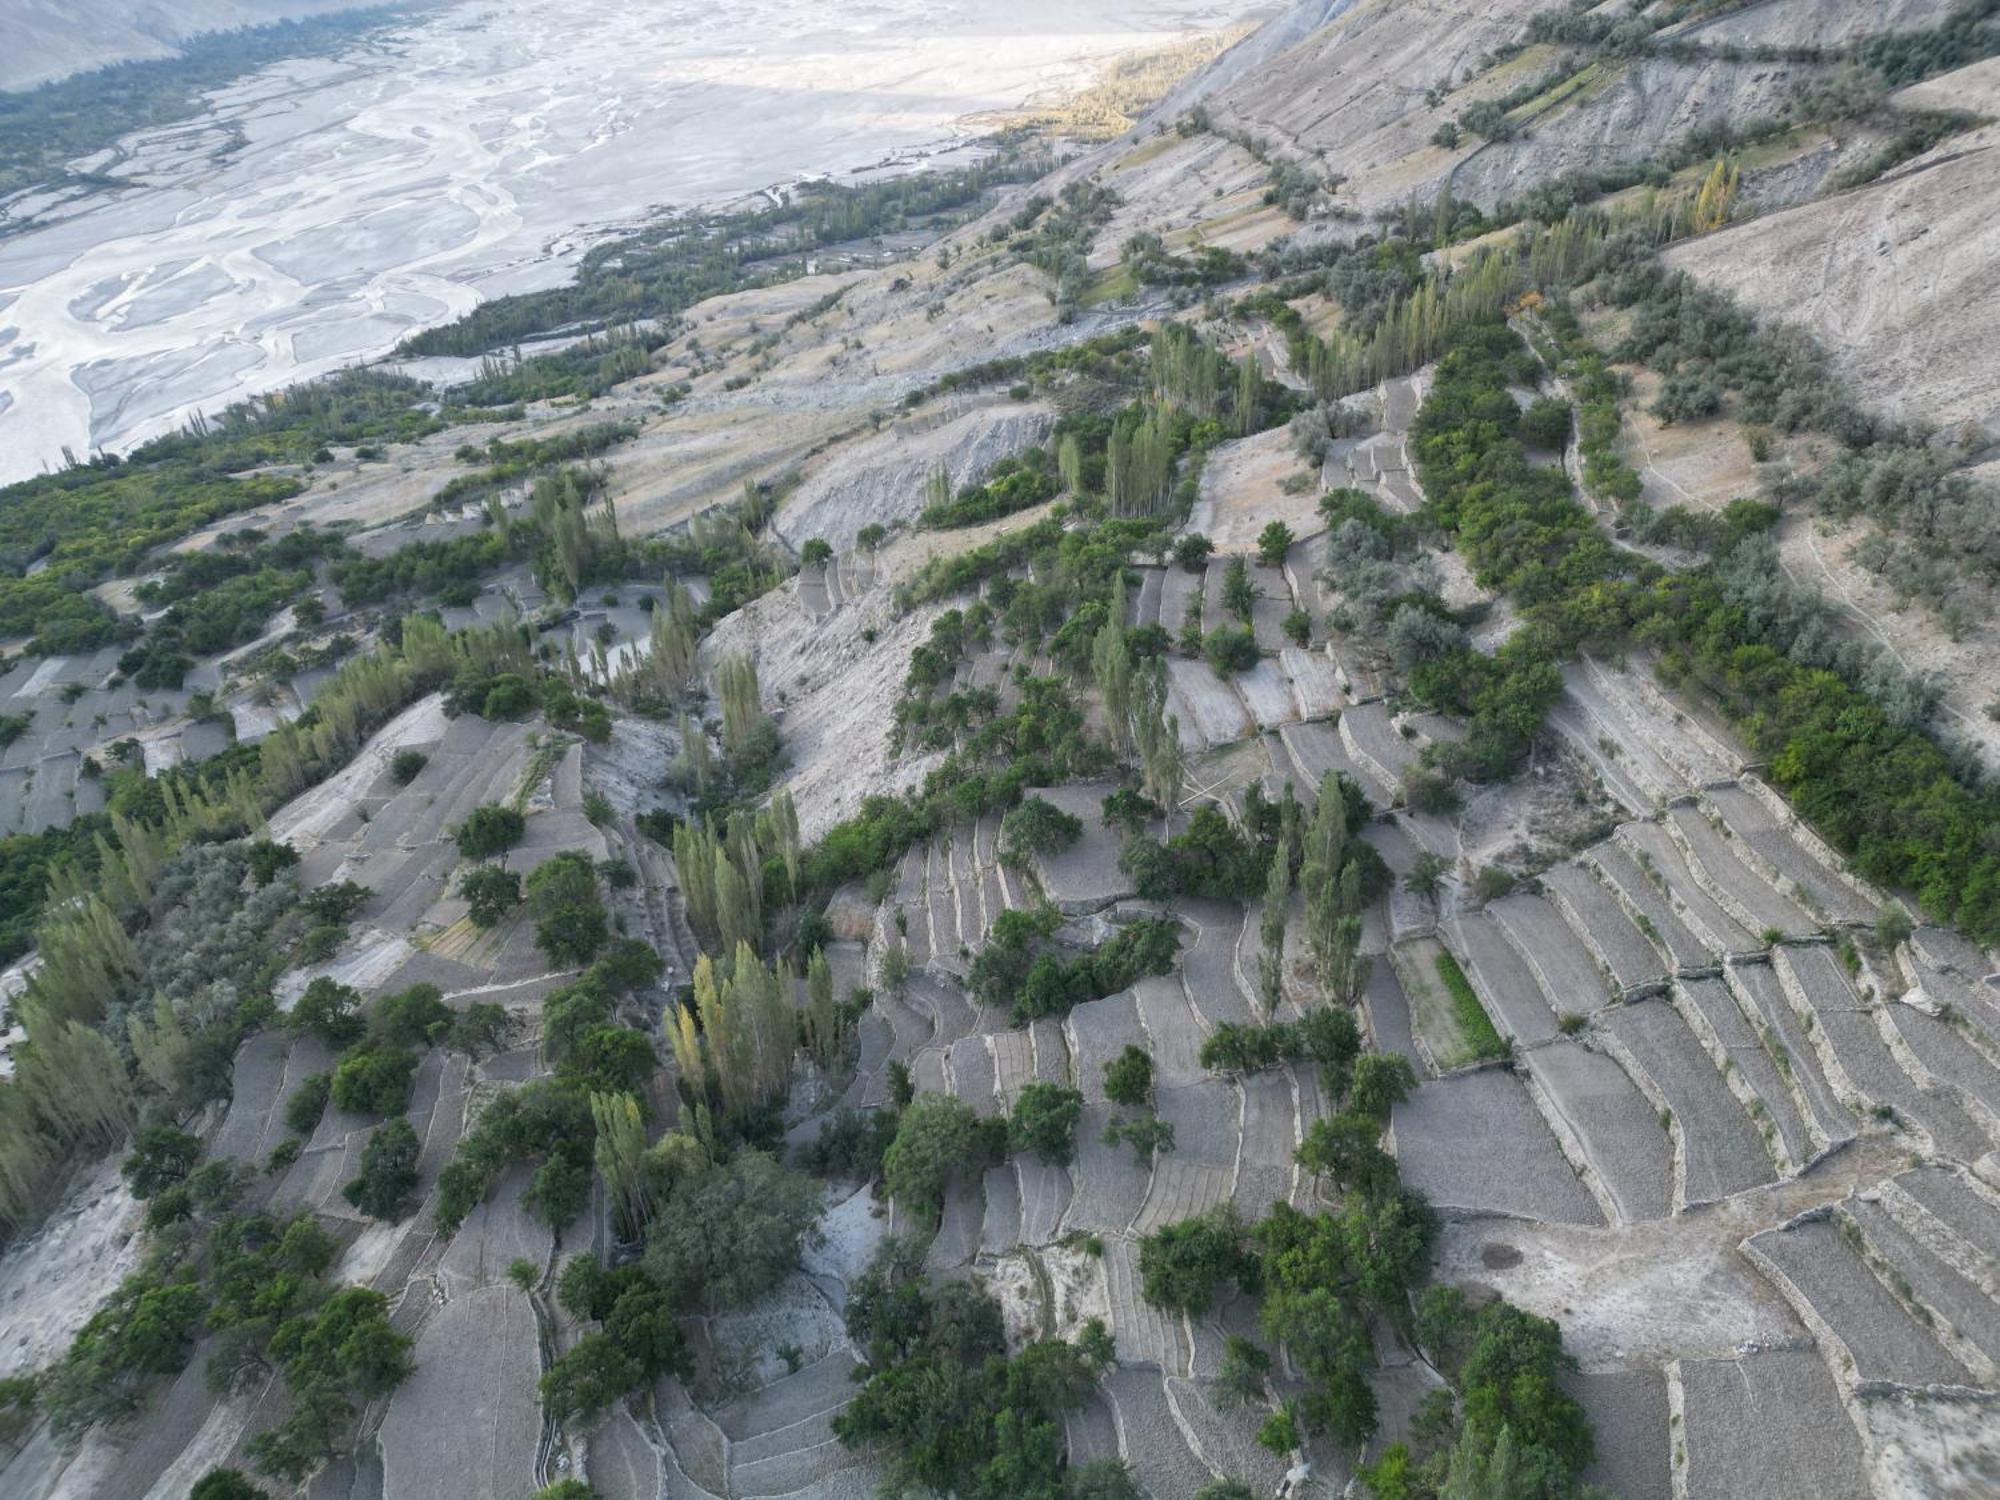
(1634, 961)
(1712, 1001)
(1208, 968)
(1389, 1014)
(468, 1421)
(1110, 1184)
(1616, 1126)
(1769, 1426)
(1498, 972)
(1098, 1031)
(1721, 1150)
(1763, 1000)
(1621, 872)
(1628, 1410)
(1264, 1174)
(1719, 931)
(1867, 1060)
(1153, 1443)
(1952, 1300)
(1824, 891)
(1173, 1033)
(1145, 1335)
(1885, 1341)
(1739, 887)
(1267, 693)
(1948, 1056)
(1568, 973)
(1474, 1143)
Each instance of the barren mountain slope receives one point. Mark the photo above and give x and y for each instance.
(48, 40)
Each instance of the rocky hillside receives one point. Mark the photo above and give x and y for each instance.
(47, 40)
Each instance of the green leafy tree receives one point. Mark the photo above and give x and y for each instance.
(490, 830)
(375, 1081)
(388, 1172)
(225, 1484)
(490, 892)
(935, 1139)
(161, 1157)
(1273, 542)
(330, 1011)
(1044, 1121)
(1128, 1077)
(1181, 1265)
(732, 1233)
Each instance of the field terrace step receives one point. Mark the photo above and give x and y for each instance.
(973, 922)
(1965, 1319)
(1223, 1438)
(1848, 1308)
(1046, 1190)
(819, 1389)
(1173, 1032)
(1624, 754)
(1215, 933)
(1569, 973)
(1267, 693)
(1636, 1463)
(970, 1070)
(913, 906)
(1701, 755)
(1738, 888)
(1605, 1122)
(959, 1227)
(1721, 1151)
(1954, 1217)
(1852, 1046)
(1768, 1425)
(1710, 1010)
(1474, 1143)
(1945, 983)
(1150, 1437)
(467, 1420)
(1211, 711)
(1598, 919)
(1410, 915)
(1765, 843)
(1013, 1064)
(1314, 749)
(953, 1014)
(1000, 1231)
(1053, 1062)
(1635, 892)
(1659, 858)
(1265, 1173)
(1091, 1430)
(1178, 589)
(1109, 1183)
(1949, 1056)
(1145, 1335)
(1519, 1004)
(1377, 746)
(1763, 1001)
(1097, 1031)
(1084, 877)
(1316, 680)
(1142, 605)
(1388, 1013)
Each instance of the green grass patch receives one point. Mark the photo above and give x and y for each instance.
(1473, 1022)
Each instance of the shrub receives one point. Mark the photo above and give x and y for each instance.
(1230, 649)
(1181, 1265)
(489, 830)
(1273, 542)
(490, 892)
(1128, 1077)
(1044, 1121)
(308, 1103)
(1036, 828)
(405, 765)
(1546, 423)
(330, 1011)
(374, 1081)
(1192, 551)
(388, 1172)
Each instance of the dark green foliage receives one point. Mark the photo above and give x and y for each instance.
(225, 1484)
(405, 764)
(1546, 424)
(1181, 1265)
(937, 1137)
(1037, 827)
(1230, 649)
(850, 1144)
(490, 892)
(611, 1060)
(415, 1017)
(333, 1360)
(1128, 1077)
(388, 1172)
(330, 1011)
(1044, 1121)
(1473, 1022)
(951, 1411)
(570, 936)
(1191, 551)
(489, 830)
(733, 1233)
(375, 1080)
(1018, 968)
(1010, 485)
(1210, 858)
(161, 1156)
(307, 1103)
(267, 859)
